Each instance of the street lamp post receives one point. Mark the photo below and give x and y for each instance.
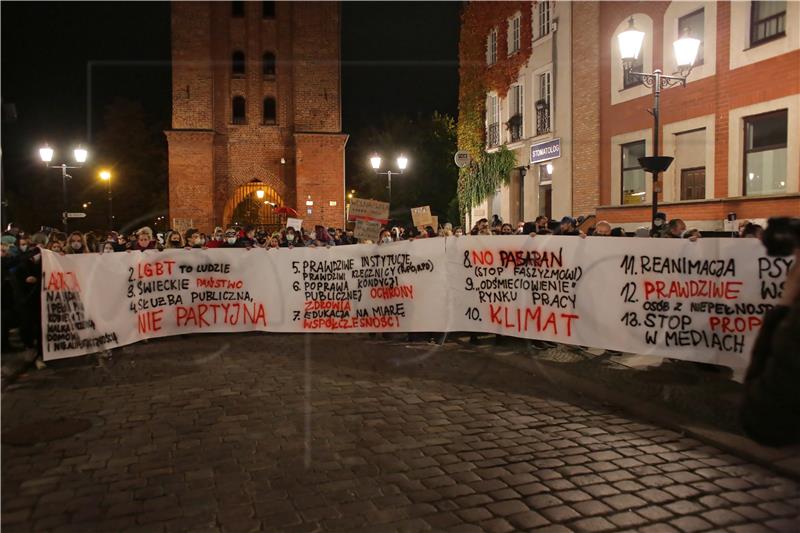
(105, 175)
(80, 154)
(402, 163)
(685, 48)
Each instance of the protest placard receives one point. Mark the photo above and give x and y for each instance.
(421, 216)
(367, 230)
(363, 209)
(295, 223)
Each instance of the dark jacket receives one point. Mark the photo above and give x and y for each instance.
(770, 413)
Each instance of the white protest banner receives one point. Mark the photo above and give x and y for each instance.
(421, 216)
(363, 209)
(699, 301)
(295, 223)
(367, 230)
(93, 302)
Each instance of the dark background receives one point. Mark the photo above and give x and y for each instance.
(399, 63)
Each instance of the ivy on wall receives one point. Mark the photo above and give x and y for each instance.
(488, 170)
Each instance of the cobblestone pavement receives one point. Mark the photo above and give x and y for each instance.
(310, 433)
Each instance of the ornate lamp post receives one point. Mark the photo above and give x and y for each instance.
(46, 154)
(402, 163)
(685, 48)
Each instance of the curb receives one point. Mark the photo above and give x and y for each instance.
(785, 461)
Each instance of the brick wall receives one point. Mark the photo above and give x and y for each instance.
(585, 108)
(320, 174)
(304, 37)
(728, 89)
(191, 177)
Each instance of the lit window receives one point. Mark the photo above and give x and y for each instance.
(690, 163)
(765, 153)
(515, 109)
(633, 178)
(767, 21)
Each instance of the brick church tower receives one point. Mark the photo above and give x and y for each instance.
(256, 114)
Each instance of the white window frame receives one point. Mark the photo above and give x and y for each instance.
(736, 142)
(514, 25)
(521, 107)
(616, 164)
(741, 54)
(491, 47)
(492, 96)
(541, 9)
(537, 74)
(671, 177)
(618, 93)
(672, 17)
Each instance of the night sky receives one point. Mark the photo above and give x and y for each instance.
(398, 58)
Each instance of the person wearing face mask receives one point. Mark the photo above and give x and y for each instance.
(274, 242)
(263, 239)
(174, 240)
(385, 237)
(458, 232)
(292, 239)
(230, 239)
(194, 239)
(506, 229)
(76, 244)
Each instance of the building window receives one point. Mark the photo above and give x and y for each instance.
(690, 163)
(268, 64)
(268, 10)
(491, 47)
(692, 25)
(514, 34)
(237, 9)
(515, 112)
(633, 179)
(543, 18)
(238, 63)
(492, 121)
(765, 153)
(543, 105)
(269, 110)
(239, 106)
(637, 65)
(767, 21)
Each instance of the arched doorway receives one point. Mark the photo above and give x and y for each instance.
(253, 204)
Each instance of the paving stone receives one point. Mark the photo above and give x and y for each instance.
(595, 523)
(560, 513)
(622, 502)
(691, 523)
(627, 519)
(527, 520)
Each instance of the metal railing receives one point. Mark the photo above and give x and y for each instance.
(768, 28)
(543, 120)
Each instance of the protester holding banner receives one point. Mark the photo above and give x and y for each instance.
(27, 283)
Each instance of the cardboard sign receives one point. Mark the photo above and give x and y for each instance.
(363, 209)
(182, 225)
(295, 223)
(421, 216)
(367, 229)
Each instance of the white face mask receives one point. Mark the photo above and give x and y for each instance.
(199, 241)
(312, 235)
(386, 240)
(76, 245)
(290, 237)
(231, 240)
(23, 247)
(459, 233)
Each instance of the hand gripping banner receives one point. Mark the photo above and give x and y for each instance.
(699, 301)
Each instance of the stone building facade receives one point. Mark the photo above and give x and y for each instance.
(256, 114)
